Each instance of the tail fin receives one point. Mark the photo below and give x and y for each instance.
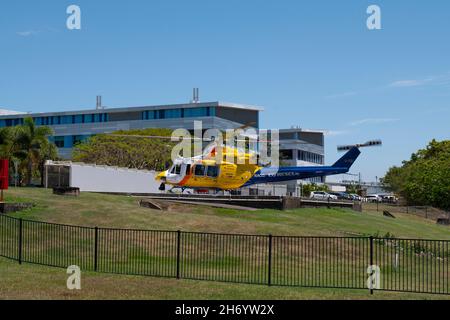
(347, 159)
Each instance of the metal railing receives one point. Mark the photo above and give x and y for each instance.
(426, 212)
(407, 265)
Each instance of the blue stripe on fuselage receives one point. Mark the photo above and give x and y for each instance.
(271, 174)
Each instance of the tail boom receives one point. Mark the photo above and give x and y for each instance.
(273, 174)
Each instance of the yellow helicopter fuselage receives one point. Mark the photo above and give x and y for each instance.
(208, 172)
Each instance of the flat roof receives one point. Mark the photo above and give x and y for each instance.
(4, 112)
(293, 130)
(139, 108)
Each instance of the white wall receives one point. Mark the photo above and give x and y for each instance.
(111, 179)
(338, 189)
(266, 189)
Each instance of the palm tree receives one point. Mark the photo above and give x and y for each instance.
(32, 141)
(7, 142)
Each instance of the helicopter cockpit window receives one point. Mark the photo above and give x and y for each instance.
(176, 169)
(199, 170)
(212, 171)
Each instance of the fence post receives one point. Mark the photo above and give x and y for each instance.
(20, 239)
(178, 253)
(371, 259)
(269, 271)
(96, 249)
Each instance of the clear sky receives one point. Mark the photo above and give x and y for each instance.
(308, 63)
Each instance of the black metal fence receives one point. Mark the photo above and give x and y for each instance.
(426, 212)
(408, 265)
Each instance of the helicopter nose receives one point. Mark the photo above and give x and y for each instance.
(161, 175)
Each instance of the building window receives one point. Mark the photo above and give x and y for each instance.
(148, 115)
(195, 112)
(103, 117)
(172, 113)
(59, 141)
(286, 154)
(78, 139)
(13, 122)
(310, 157)
(66, 119)
(160, 114)
(77, 118)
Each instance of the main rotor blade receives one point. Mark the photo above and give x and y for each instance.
(371, 143)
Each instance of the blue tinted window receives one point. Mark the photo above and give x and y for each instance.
(13, 122)
(58, 141)
(101, 117)
(160, 114)
(79, 138)
(68, 142)
(195, 112)
(147, 115)
(57, 120)
(66, 119)
(173, 113)
(88, 118)
(78, 118)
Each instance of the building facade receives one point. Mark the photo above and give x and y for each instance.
(74, 127)
(302, 147)
(298, 147)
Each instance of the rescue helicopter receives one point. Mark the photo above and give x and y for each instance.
(213, 169)
(205, 172)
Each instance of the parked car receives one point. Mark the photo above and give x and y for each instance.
(341, 195)
(389, 199)
(373, 198)
(346, 196)
(322, 195)
(355, 197)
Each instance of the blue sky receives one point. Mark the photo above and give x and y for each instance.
(308, 63)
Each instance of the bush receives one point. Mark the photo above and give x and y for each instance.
(425, 178)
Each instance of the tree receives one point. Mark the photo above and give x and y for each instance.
(425, 178)
(310, 187)
(28, 145)
(353, 189)
(31, 141)
(129, 152)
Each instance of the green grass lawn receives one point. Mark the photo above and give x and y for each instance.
(37, 282)
(124, 212)
(32, 281)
